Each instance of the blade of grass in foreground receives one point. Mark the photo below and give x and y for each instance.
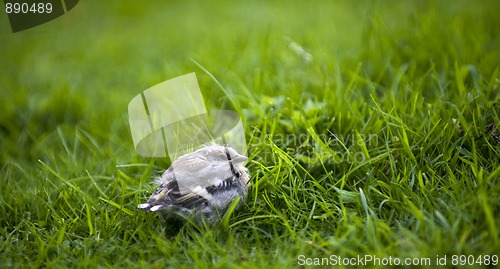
(126, 211)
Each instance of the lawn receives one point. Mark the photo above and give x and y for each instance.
(372, 128)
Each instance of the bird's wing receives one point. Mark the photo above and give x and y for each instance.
(200, 195)
(169, 195)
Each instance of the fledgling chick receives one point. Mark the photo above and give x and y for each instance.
(203, 183)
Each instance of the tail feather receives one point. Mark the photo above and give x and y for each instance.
(149, 207)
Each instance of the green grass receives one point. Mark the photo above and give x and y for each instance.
(382, 144)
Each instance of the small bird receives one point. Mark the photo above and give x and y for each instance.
(203, 184)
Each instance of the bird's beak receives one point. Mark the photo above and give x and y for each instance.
(239, 159)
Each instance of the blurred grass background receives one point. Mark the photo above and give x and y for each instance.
(420, 78)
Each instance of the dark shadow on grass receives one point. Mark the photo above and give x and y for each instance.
(173, 226)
